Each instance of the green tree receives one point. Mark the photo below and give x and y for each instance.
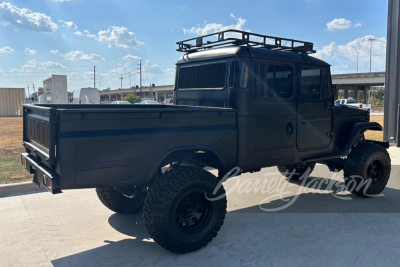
(378, 94)
(131, 98)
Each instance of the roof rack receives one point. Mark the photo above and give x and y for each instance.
(236, 38)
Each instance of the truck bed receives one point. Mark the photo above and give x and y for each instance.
(83, 146)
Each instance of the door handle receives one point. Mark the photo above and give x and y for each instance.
(289, 128)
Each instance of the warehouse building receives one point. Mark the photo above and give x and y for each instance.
(11, 101)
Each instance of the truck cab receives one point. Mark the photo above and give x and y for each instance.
(284, 97)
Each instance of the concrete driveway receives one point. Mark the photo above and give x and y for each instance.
(318, 228)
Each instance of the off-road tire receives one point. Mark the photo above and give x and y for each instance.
(300, 168)
(117, 202)
(164, 199)
(361, 159)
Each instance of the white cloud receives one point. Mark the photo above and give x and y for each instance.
(151, 68)
(23, 18)
(77, 76)
(34, 64)
(88, 34)
(345, 56)
(119, 37)
(68, 24)
(30, 52)
(130, 57)
(63, 36)
(327, 52)
(20, 71)
(78, 55)
(63, 0)
(338, 24)
(6, 49)
(54, 51)
(121, 70)
(170, 70)
(357, 25)
(215, 27)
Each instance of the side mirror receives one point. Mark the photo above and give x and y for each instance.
(335, 91)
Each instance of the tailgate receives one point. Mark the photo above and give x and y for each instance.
(39, 135)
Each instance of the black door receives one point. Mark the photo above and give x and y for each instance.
(274, 113)
(315, 110)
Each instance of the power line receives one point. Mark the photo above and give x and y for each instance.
(140, 78)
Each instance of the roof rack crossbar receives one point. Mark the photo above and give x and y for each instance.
(236, 38)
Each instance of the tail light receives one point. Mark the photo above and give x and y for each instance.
(47, 181)
(360, 106)
(80, 102)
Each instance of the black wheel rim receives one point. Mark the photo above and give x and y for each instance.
(192, 211)
(375, 171)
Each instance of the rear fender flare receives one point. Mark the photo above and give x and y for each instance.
(182, 151)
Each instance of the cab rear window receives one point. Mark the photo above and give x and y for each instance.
(208, 76)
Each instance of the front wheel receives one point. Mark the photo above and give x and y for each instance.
(179, 212)
(367, 169)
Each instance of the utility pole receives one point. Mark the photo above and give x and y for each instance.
(370, 52)
(357, 57)
(33, 85)
(140, 78)
(29, 96)
(94, 76)
(121, 81)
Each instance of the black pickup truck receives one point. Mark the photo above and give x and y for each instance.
(242, 99)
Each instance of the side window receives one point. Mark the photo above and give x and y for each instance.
(314, 83)
(274, 80)
(238, 75)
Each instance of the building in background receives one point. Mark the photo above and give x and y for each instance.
(11, 101)
(55, 90)
(158, 93)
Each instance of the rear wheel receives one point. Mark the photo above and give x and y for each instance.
(119, 201)
(298, 170)
(178, 211)
(367, 169)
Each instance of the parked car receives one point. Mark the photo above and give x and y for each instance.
(86, 96)
(168, 101)
(120, 103)
(239, 108)
(352, 102)
(148, 102)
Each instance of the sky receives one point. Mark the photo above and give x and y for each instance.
(43, 37)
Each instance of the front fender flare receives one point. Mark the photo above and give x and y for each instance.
(358, 129)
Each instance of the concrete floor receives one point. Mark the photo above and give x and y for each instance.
(318, 229)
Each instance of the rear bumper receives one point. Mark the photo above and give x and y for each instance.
(42, 175)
